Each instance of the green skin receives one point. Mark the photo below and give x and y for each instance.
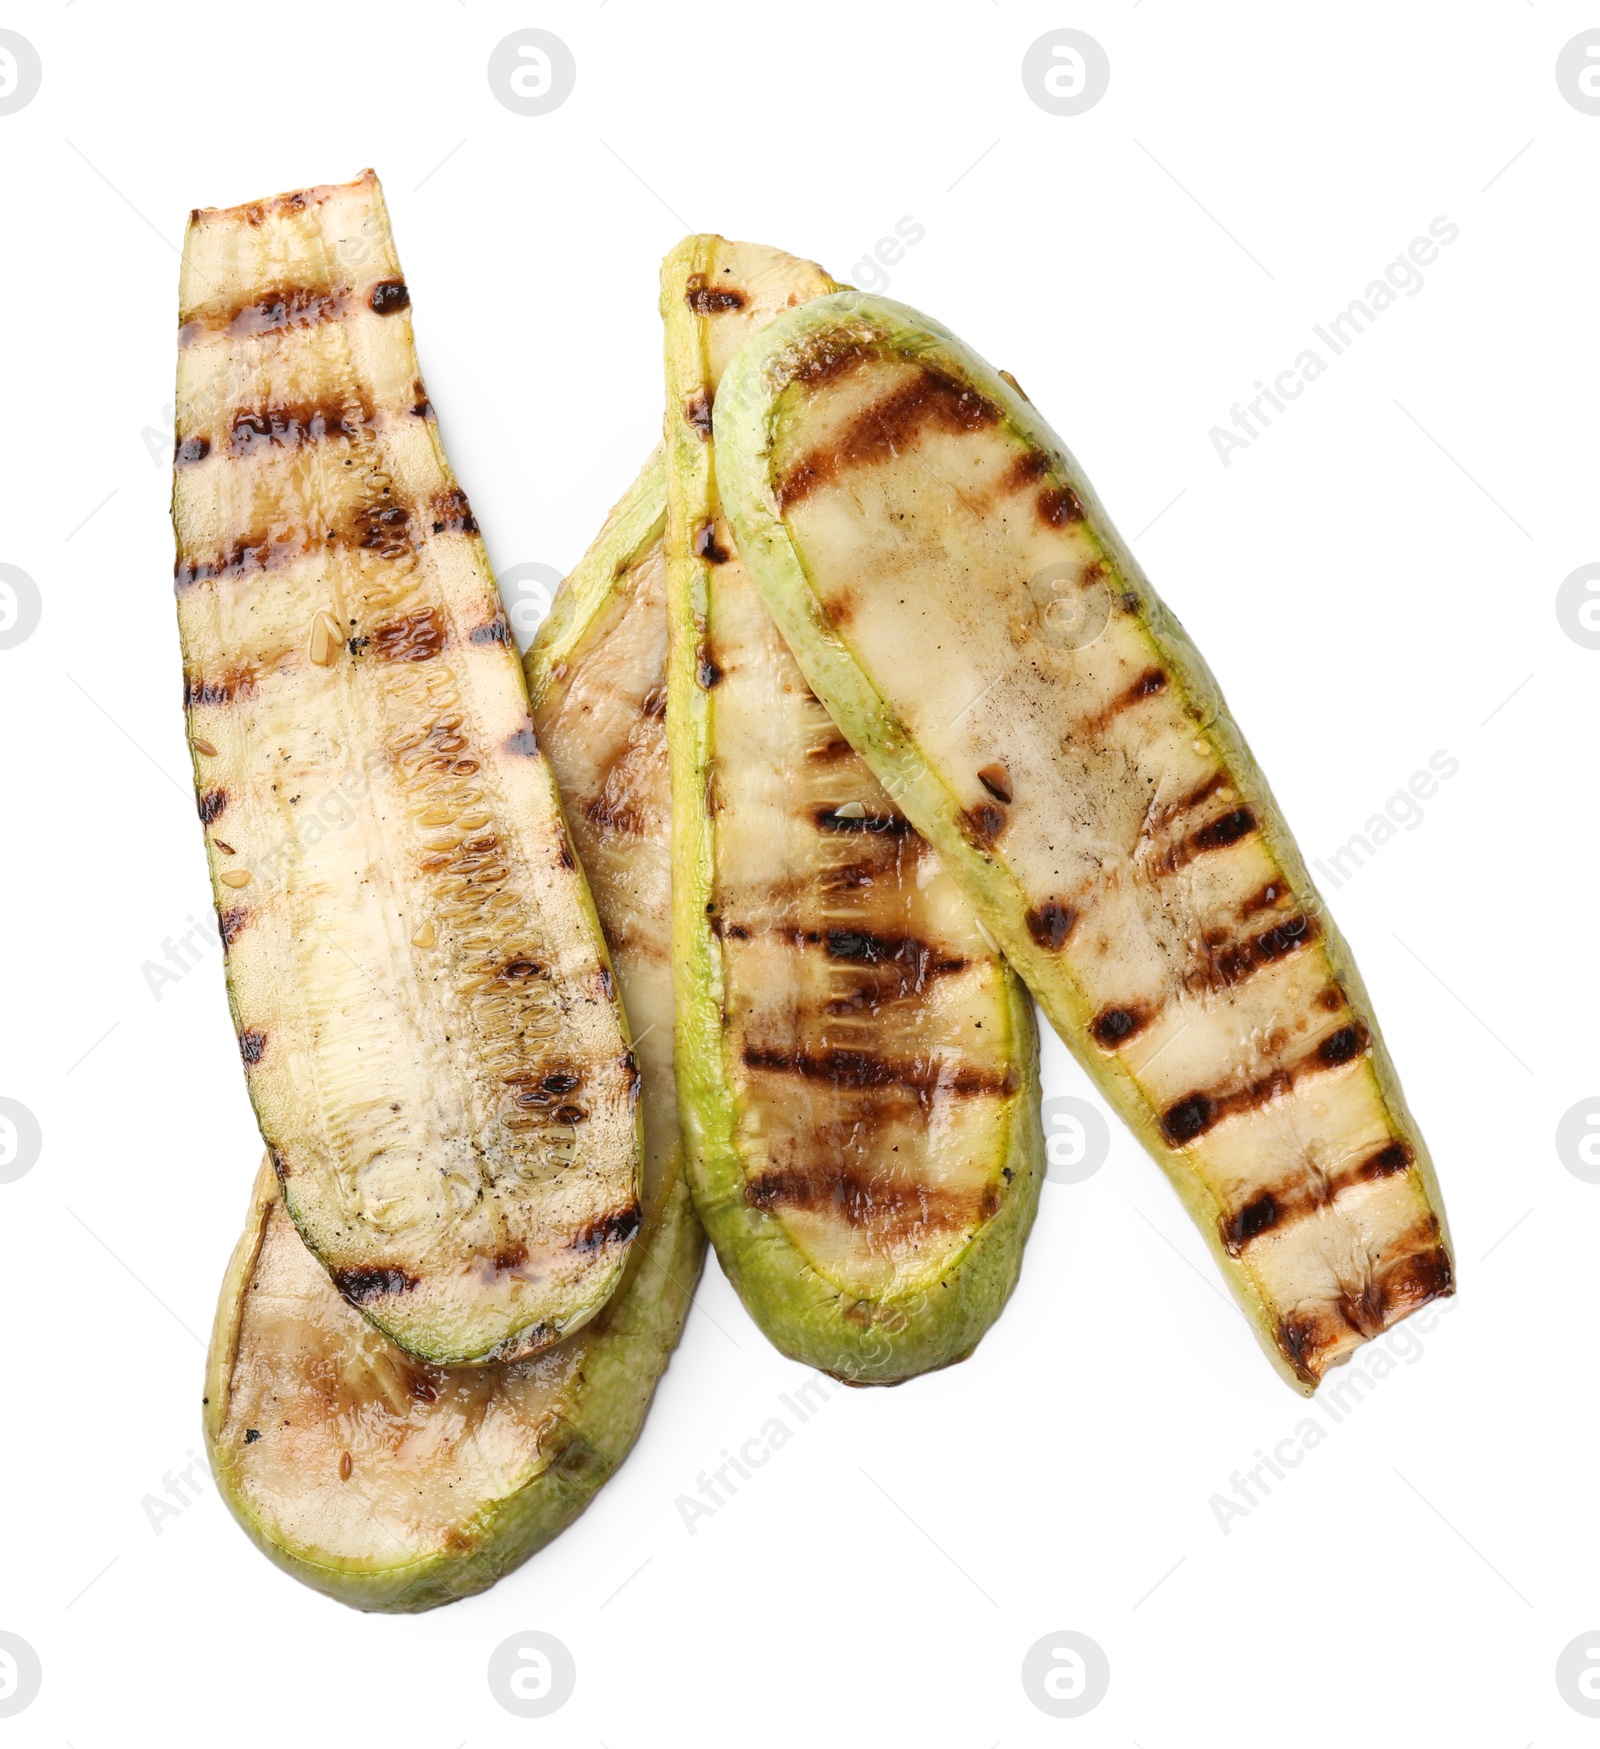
(880, 1341)
(626, 1346)
(749, 409)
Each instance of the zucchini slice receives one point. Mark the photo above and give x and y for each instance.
(857, 1069)
(421, 992)
(391, 1484)
(961, 604)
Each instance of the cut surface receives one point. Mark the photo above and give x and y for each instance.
(857, 1069)
(420, 989)
(958, 600)
(393, 1484)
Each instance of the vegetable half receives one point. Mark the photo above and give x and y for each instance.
(960, 603)
(420, 989)
(391, 1484)
(857, 1070)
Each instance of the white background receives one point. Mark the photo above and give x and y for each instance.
(1362, 599)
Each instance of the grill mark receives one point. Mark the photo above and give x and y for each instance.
(1051, 923)
(1152, 681)
(859, 1071)
(892, 967)
(830, 357)
(930, 401)
(189, 450)
(388, 296)
(269, 312)
(361, 1286)
(1267, 899)
(712, 300)
(708, 547)
(1227, 829)
(1220, 833)
(707, 671)
(494, 631)
(985, 822)
(1029, 467)
(1284, 1204)
(616, 1228)
(235, 683)
(1370, 1307)
(1239, 961)
(1194, 1114)
(624, 817)
(523, 741)
(892, 825)
(413, 637)
(252, 1044)
(865, 1200)
(697, 410)
(452, 514)
(213, 804)
(1059, 506)
(830, 752)
(1202, 792)
(294, 424)
(231, 923)
(376, 526)
(1113, 1027)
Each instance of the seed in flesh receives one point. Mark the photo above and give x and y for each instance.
(325, 639)
(424, 936)
(997, 780)
(850, 811)
(204, 747)
(346, 1466)
(235, 877)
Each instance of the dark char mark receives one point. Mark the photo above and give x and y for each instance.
(854, 1071)
(387, 296)
(697, 410)
(359, 1286)
(452, 514)
(892, 825)
(1051, 923)
(1115, 1026)
(252, 1044)
(708, 547)
(1245, 1224)
(616, 1228)
(213, 805)
(190, 450)
(1197, 1112)
(711, 300)
(930, 401)
(495, 631)
(292, 425)
(413, 637)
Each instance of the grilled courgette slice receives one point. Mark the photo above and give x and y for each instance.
(857, 1069)
(961, 604)
(391, 1484)
(419, 985)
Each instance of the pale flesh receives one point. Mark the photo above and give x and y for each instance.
(420, 989)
